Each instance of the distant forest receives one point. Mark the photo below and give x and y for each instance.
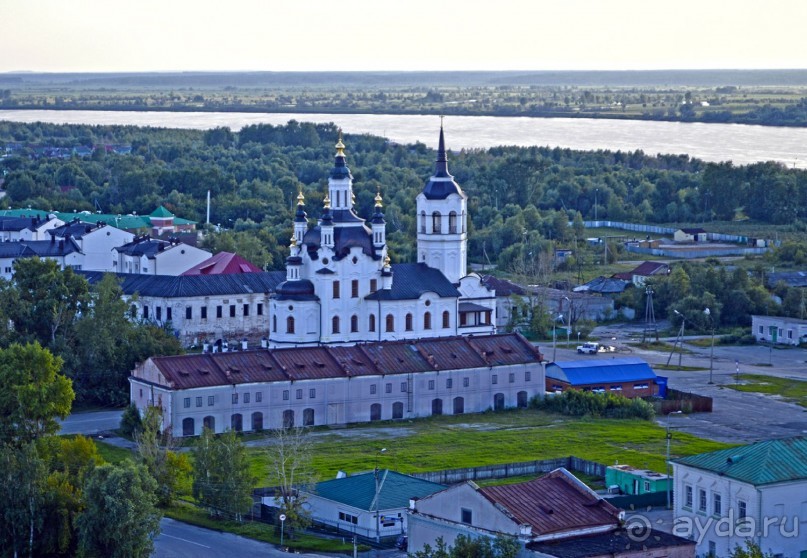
(761, 97)
(521, 200)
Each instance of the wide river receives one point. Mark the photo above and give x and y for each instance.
(712, 142)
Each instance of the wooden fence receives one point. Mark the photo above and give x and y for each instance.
(683, 401)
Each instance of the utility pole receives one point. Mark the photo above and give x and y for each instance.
(649, 316)
(678, 340)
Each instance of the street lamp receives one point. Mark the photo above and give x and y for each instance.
(712, 352)
(569, 328)
(555, 336)
(377, 489)
(596, 191)
(680, 337)
(669, 473)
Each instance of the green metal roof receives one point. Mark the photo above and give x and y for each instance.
(358, 491)
(769, 462)
(161, 212)
(129, 222)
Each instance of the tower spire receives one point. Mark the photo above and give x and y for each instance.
(441, 165)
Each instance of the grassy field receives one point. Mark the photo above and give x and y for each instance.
(473, 440)
(787, 389)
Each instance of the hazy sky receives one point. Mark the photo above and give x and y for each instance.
(146, 35)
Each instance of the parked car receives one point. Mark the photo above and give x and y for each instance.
(588, 348)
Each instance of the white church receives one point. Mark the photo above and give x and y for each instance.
(341, 288)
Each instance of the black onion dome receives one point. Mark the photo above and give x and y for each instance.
(301, 216)
(294, 260)
(378, 217)
(303, 287)
(441, 184)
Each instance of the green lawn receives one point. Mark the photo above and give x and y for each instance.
(450, 442)
(113, 454)
(790, 390)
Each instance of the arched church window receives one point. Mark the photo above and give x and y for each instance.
(446, 319)
(354, 323)
(290, 324)
(371, 324)
(427, 320)
(437, 226)
(423, 222)
(452, 222)
(274, 324)
(390, 322)
(409, 322)
(335, 324)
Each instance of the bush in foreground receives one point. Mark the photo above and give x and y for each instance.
(578, 403)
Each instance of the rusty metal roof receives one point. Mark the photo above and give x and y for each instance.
(307, 363)
(505, 349)
(554, 503)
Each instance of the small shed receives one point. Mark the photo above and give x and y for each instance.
(690, 235)
(635, 481)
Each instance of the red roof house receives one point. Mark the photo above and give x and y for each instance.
(223, 263)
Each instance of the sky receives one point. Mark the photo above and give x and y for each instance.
(403, 35)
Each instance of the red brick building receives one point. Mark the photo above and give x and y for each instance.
(630, 376)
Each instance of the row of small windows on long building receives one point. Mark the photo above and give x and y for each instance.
(247, 397)
(717, 502)
(211, 399)
(389, 322)
(232, 312)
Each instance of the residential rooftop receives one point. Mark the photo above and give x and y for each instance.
(762, 463)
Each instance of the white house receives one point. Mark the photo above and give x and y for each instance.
(152, 256)
(65, 253)
(756, 492)
(372, 505)
(555, 506)
(96, 241)
(29, 227)
(336, 385)
(779, 330)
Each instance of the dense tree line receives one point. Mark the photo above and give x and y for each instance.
(59, 498)
(254, 176)
(89, 330)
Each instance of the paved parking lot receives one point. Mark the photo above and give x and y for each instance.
(737, 416)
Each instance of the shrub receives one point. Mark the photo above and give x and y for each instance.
(578, 403)
(130, 421)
